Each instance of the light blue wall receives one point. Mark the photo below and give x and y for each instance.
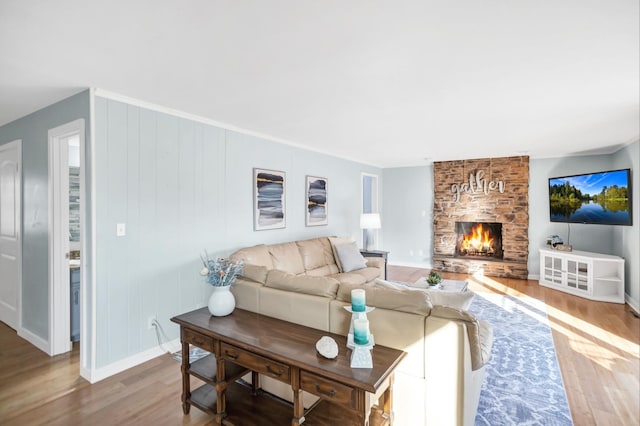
(33, 131)
(407, 215)
(182, 187)
(594, 238)
(627, 238)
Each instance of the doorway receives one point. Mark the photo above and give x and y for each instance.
(66, 210)
(10, 233)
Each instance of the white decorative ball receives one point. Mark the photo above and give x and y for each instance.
(327, 347)
(204, 272)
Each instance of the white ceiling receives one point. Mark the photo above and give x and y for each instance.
(388, 83)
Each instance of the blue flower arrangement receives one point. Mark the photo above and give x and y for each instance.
(220, 272)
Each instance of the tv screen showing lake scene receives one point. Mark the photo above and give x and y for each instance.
(600, 198)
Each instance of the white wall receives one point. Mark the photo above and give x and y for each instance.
(182, 186)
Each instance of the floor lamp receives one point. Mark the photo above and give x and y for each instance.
(368, 222)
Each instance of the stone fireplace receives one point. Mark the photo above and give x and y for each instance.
(481, 216)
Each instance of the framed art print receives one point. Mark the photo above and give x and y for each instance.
(269, 201)
(316, 199)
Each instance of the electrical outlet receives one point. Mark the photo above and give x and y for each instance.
(150, 321)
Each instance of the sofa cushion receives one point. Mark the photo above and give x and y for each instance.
(286, 257)
(349, 278)
(369, 273)
(480, 333)
(398, 300)
(350, 257)
(312, 253)
(317, 286)
(336, 241)
(256, 255)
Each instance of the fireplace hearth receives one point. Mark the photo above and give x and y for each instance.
(479, 240)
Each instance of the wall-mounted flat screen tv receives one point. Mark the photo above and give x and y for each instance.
(601, 198)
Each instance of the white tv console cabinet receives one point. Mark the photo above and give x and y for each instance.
(594, 276)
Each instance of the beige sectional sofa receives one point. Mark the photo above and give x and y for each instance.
(438, 383)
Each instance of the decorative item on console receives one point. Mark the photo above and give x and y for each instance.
(220, 273)
(556, 242)
(327, 347)
(360, 340)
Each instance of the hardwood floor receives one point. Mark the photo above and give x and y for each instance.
(597, 345)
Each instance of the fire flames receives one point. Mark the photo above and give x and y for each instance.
(478, 241)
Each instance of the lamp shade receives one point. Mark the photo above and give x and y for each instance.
(370, 221)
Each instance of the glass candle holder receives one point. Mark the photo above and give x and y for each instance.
(361, 331)
(358, 303)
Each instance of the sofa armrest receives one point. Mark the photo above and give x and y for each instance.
(255, 273)
(480, 333)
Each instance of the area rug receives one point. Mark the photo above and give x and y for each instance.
(522, 385)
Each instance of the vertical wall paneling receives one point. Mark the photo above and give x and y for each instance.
(147, 246)
(182, 187)
(134, 294)
(187, 210)
(167, 215)
(101, 118)
(117, 263)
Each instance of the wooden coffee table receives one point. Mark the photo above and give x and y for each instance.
(245, 342)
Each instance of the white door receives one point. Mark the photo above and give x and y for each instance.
(10, 236)
(59, 244)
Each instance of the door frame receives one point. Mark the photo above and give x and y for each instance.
(59, 285)
(6, 147)
(374, 197)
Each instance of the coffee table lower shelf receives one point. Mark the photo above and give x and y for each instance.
(246, 409)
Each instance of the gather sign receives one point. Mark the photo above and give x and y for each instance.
(477, 184)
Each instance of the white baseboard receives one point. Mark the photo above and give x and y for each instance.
(534, 277)
(633, 303)
(424, 265)
(102, 373)
(35, 340)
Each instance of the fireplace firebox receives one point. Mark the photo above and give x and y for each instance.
(479, 240)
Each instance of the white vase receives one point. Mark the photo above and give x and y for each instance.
(221, 302)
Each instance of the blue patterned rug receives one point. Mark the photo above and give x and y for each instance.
(523, 385)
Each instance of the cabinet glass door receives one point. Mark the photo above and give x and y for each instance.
(572, 278)
(553, 269)
(577, 275)
(583, 276)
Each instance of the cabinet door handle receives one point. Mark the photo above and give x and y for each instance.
(277, 373)
(329, 394)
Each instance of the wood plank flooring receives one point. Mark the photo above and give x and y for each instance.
(597, 345)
